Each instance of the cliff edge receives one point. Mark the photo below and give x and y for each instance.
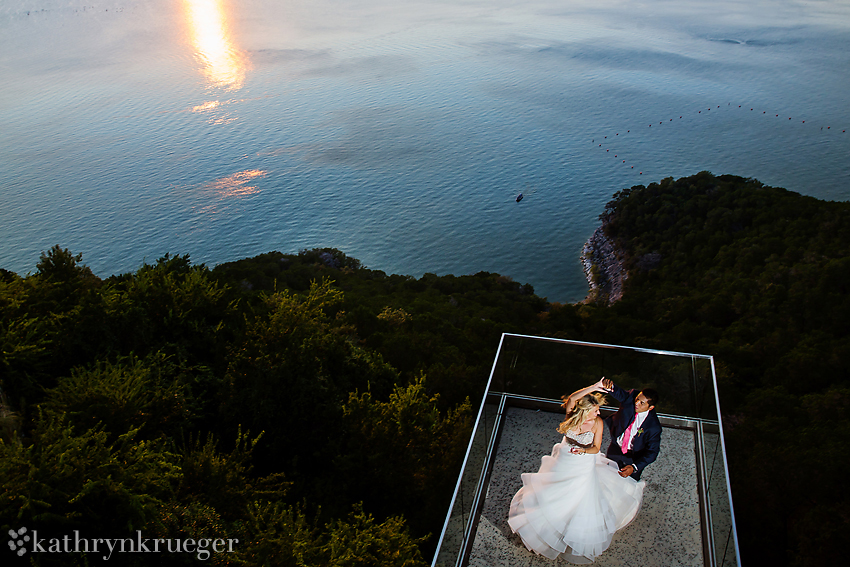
(603, 268)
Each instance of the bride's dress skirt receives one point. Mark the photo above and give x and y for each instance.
(573, 505)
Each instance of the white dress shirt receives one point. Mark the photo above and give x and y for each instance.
(635, 426)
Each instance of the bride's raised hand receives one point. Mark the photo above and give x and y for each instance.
(601, 385)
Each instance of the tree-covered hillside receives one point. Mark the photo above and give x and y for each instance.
(314, 409)
(757, 276)
(318, 410)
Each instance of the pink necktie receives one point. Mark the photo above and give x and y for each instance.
(627, 434)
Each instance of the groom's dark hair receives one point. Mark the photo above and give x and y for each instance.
(651, 396)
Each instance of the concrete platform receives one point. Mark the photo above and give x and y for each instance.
(666, 531)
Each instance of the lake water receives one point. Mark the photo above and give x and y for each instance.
(398, 132)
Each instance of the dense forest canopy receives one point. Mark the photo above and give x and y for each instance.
(757, 276)
(318, 410)
(313, 409)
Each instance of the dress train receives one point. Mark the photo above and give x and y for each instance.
(574, 503)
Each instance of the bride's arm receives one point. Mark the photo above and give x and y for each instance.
(597, 436)
(570, 401)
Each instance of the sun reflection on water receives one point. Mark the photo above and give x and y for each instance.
(206, 106)
(223, 63)
(237, 184)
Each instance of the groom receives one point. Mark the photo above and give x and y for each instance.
(635, 429)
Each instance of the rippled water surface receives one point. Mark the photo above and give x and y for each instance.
(398, 132)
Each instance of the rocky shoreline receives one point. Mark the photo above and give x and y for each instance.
(603, 268)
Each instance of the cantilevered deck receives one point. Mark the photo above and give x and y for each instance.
(686, 518)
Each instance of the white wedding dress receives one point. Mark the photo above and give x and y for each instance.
(574, 503)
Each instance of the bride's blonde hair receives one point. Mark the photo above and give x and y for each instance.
(582, 408)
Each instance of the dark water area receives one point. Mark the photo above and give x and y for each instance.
(400, 133)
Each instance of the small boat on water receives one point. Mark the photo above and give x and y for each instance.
(519, 198)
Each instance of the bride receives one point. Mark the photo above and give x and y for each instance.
(577, 500)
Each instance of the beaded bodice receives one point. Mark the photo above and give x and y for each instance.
(580, 439)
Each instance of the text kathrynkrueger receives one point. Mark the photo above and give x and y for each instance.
(129, 545)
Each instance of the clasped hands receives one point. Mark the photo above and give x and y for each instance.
(606, 384)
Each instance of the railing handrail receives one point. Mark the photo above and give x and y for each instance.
(605, 345)
(726, 467)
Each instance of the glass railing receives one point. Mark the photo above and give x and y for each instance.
(541, 370)
(549, 368)
(459, 523)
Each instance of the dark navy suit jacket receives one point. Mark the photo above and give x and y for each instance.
(645, 446)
